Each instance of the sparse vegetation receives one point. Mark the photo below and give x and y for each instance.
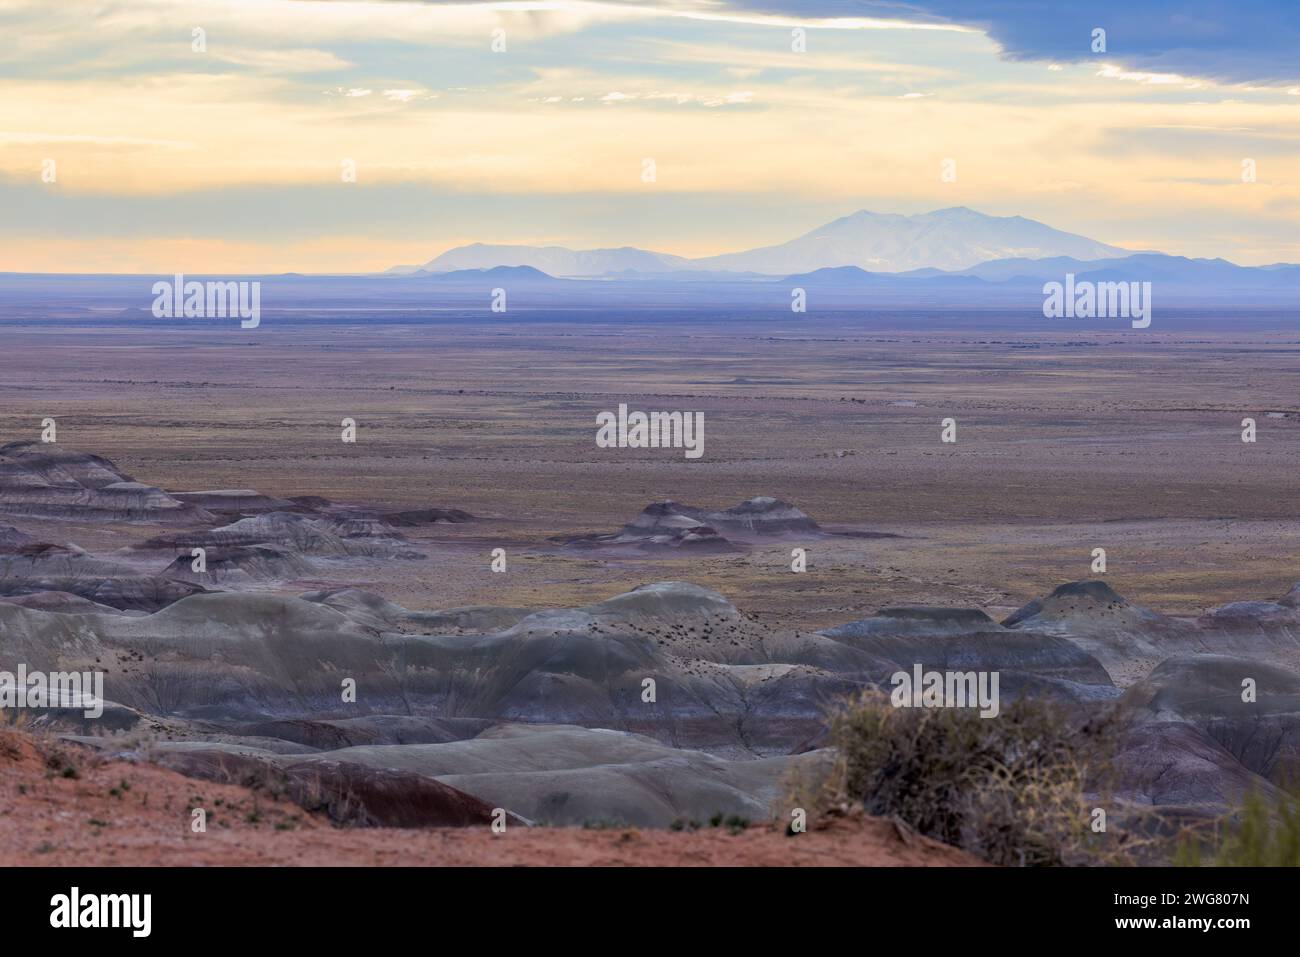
(732, 822)
(1007, 789)
(1262, 833)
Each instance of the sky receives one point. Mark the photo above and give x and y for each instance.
(318, 136)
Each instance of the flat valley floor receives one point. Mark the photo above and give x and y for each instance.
(1070, 437)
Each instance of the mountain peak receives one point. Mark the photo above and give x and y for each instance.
(951, 239)
(517, 273)
(555, 260)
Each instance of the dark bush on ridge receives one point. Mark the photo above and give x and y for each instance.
(1008, 789)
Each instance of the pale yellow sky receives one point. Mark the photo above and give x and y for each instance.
(234, 157)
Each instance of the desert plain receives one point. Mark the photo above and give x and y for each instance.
(1069, 437)
(474, 440)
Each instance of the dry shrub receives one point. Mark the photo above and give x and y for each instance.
(1008, 789)
(1262, 832)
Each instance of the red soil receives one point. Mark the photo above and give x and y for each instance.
(120, 813)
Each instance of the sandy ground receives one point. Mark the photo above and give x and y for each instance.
(1066, 442)
(120, 813)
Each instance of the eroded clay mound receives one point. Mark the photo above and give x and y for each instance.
(1127, 639)
(1037, 664)
(62, 602)
(1131, 641)
(1173, 765)
(256, 828)
(659, 527)
(296, 533)
(915, 620)
(1082, 604)
(1247, 707)
(238, 565)
(39, 568)
(666, 526)
(760, 516)
(429, 516)
(12, 539)
(44, 480)
(557, 774)
(352, 794)
(1268, 629)
(719, 680)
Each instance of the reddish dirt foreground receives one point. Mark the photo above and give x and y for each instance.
(61, 805)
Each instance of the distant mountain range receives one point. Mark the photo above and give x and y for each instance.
(1138, 267)
(552, 260)
(496, 273)
(952, 259)
(946, 239)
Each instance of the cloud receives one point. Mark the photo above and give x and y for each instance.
(748, 59)
(1251, 41)
(1112, 72)
(283, 61)
(753, 138)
